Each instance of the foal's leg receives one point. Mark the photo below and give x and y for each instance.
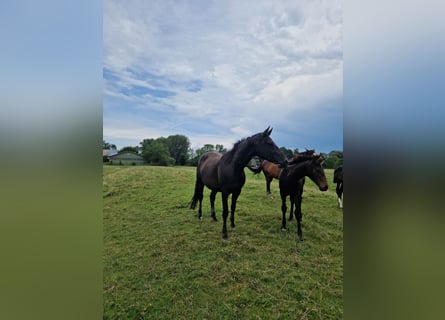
(339, 191)
(225, 214)
(291, 213)
(292, 206)
(235, 196)
(283, 210)
(212, 205)
(299, 215)
(298, 199)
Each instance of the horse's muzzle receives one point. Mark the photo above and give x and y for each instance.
(324, 188)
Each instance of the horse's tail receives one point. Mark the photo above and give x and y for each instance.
(199, 192)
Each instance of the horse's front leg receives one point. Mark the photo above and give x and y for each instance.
(225, 214)
(283, 210)
(235, 196)
(212, 205)
(299, 216)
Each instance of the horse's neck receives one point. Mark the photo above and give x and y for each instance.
(299, 171)
(241, 156)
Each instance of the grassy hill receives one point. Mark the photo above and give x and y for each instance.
(161, 262)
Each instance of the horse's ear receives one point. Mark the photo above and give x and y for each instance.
(267, 132)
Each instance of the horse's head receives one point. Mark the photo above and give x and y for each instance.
(265, 148)
(316, 172)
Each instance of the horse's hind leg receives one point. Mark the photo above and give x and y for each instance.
(199, 191)
(298, 199)
(197, 196)
(292, 207)
(268, 181)
(212, 205)
(283, 210)
(297, 210)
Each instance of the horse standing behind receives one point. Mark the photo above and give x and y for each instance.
(225, 173)
(271, 171)
(289, 185)
(338, 179)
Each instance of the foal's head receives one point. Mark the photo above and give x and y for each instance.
(316, 172)
(265, 148)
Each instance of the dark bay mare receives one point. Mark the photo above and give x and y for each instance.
(290, 186)
(338, 179)
(225, 172)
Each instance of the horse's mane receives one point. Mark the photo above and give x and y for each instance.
(302, 156)
(237, 144)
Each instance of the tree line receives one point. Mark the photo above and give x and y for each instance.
(176, 150)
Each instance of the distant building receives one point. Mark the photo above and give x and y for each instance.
(127, 159)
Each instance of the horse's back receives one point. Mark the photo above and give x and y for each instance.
(271, 169)
(208, 169)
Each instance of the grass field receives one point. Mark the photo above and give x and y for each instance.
(161, 262)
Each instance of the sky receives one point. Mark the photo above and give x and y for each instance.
(219, 71)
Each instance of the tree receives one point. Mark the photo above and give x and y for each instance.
(336, 153)
(220, 148)
(156, 152)
(287, 152)
(195, 155)
(178, 146)
(333, 160)
(106, 145)
(129, 149)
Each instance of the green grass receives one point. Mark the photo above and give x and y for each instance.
(160, 262)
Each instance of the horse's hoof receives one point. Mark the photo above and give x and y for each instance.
(200, 218)
(301, 239)
(214, 219)
(283, 229)
(225, 237)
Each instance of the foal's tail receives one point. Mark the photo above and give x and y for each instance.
(199, 193)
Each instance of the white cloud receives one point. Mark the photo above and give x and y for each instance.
(249, 56)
